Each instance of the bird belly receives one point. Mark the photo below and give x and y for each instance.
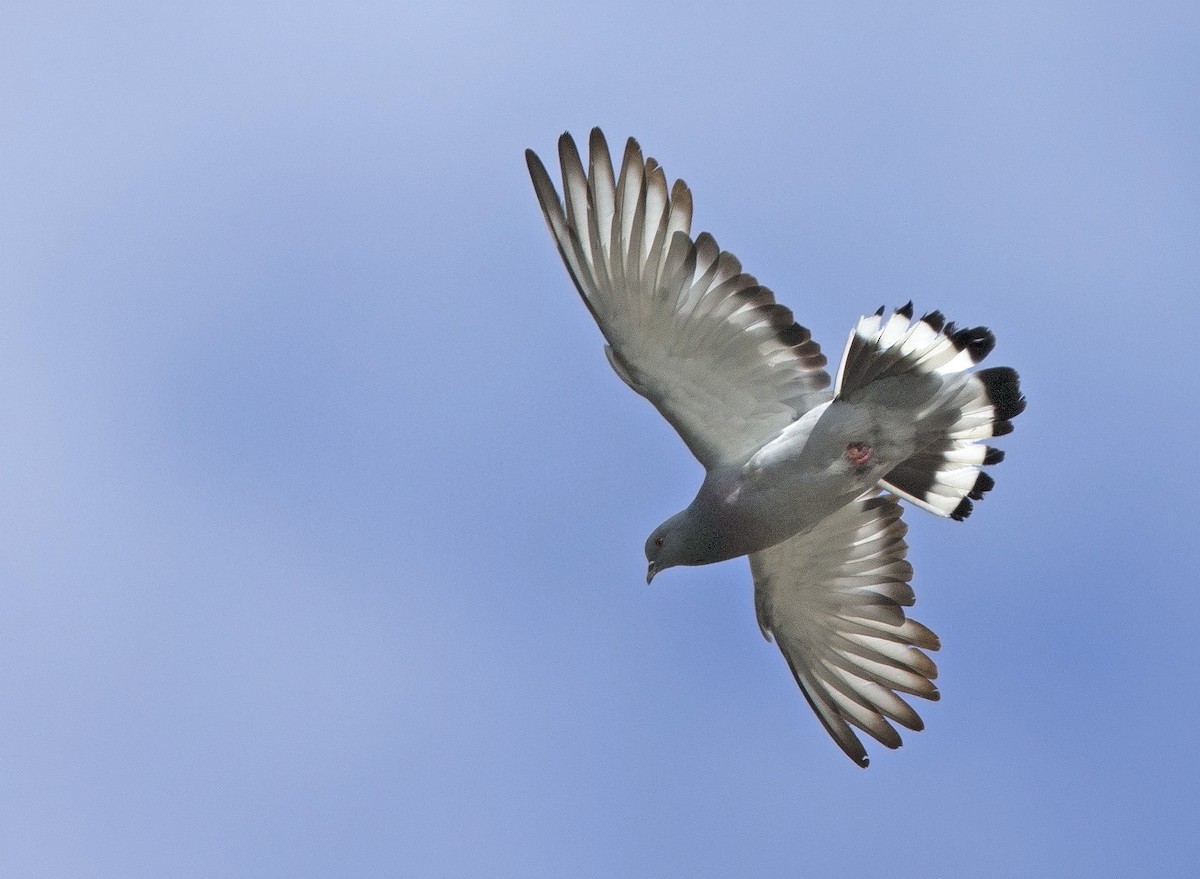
(812, 469)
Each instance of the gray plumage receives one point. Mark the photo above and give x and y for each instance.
(794, 468)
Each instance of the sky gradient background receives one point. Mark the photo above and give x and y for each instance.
(321, 512)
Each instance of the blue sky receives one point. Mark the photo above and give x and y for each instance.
(322, 512)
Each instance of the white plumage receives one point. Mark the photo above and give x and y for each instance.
(794, 470)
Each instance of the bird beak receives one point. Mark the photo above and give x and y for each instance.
(650, 572)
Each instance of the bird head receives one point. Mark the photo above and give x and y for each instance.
(669, 545)
(655, 544)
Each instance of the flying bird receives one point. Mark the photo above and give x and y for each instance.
(803, 478)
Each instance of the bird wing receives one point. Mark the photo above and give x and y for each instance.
(834, 599)
(686, 328)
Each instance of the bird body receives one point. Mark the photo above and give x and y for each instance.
(786, 487)
(801, 478)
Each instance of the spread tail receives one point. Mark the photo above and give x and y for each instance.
(882, 356)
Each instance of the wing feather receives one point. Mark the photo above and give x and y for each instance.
(833, 600)
(726, 365)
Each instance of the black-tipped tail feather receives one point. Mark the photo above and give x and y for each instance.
(945, 475)
(880, 348)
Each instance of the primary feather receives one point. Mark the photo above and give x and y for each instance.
(686, 328)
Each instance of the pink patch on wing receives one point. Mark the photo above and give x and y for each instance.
(859, 454)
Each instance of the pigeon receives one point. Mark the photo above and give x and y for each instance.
(804, 476)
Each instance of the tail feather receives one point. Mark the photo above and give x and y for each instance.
(944, 476)
(879, 348)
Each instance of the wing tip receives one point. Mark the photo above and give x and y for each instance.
(596, 139)
(537, 168)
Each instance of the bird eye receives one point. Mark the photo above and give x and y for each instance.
(658, 541)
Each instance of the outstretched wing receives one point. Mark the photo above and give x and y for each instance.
(686, 327)
(834, 599)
